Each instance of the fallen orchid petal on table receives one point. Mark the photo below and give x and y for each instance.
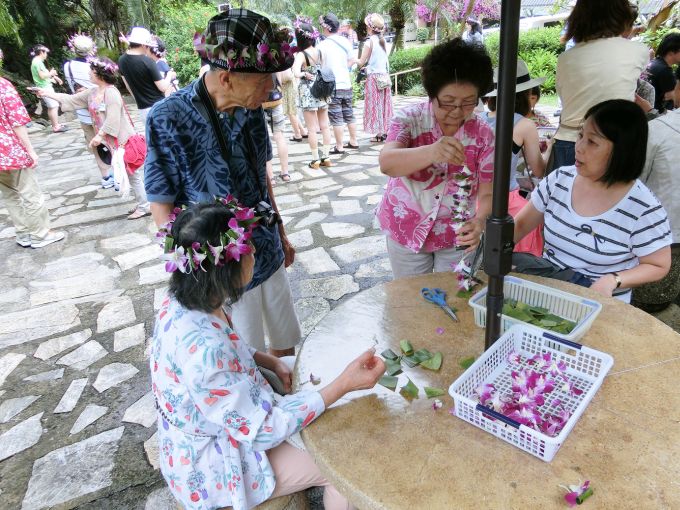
(577, 494)
(437, 404)
(440, 331)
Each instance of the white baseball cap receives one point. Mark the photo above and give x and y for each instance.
(140, 35)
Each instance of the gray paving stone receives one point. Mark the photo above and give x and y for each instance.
(112, 375)
(152, 275)
(20, 437)
(82, 190)
(125, 242)
(339, 230)
(333, 287)
(79, 218)
(117, 313)
(358, 191)
(161, 499)
(6, 233)
(66, 267)
(107, 201)
(55, 202)
(128, 337)
(136, 257)
(50, 375)
(355, 176)
(15, 295)
(13, 406)
(345, 207)
(152, 455)
(301, 239)
(67, 209)
(304, 208)
(375, 269)
(73, 471)
(288, 199)
(323, 191)
(27, 325)
(90, 414)
(359, 249)
(318, 184)
(311, 219)
(83, 356)
(310, 311)
(8, 363)
(75, 200)
(373, 199)
(323, 199)
(58, 345)
(88, 283)
(71, 396)
(316, 261)
(142, 412)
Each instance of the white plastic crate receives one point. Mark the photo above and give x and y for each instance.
(586, 368)
(568, 306)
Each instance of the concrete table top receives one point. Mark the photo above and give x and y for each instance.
(385, 452)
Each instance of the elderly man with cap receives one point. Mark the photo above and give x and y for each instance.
(140, 73)
(210, 139)
(77, 73)
(338, 56)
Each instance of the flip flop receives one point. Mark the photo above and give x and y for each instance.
(350, 146)
(335, 150)
(293, 139)
(138, 214)
(60, 129)
(285, 177)
(305, 136)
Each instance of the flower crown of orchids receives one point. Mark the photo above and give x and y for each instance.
(325, 25)
(80, 40)
(233, 242)
(109, 67)
(369, 23)
(299, 20)
(277, 52)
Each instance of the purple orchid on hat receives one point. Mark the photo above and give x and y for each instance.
(246, 42)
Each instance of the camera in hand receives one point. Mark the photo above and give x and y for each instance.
(268, 216)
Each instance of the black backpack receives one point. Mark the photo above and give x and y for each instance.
(323, 87)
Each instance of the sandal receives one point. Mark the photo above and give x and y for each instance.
(350, 146)
(326, 162)
(335, 150)
(305, 136)
(60, 129)
(138, 214)
(285, 177)
(315, 163)
(293, 139)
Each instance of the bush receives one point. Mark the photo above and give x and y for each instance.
(542, 63)
(422, 34)
(653, 39)
(177, 28)
(416, 90)
(408, 59)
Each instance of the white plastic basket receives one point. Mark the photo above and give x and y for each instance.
(586, 369)
(568, 306)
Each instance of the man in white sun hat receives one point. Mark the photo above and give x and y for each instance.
(140, 73)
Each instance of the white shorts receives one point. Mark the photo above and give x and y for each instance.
(50, 103)
(405, 262)
(268, 306)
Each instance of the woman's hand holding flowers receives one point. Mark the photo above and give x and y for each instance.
(469, 234)
(447, 150)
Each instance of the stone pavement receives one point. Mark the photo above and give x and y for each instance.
(77, 420)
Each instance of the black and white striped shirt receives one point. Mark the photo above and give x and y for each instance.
(609, 242)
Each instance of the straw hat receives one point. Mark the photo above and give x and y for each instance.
(524, 79)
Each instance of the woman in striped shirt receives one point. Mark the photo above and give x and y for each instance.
(601, 222)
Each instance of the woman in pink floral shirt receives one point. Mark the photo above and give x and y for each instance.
(439, 157)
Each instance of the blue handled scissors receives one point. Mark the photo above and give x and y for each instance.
(438, 297)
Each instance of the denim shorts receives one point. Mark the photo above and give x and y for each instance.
(340, 109)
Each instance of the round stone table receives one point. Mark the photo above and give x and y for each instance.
(385, 452)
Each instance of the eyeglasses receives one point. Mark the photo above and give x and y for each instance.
(449, 107)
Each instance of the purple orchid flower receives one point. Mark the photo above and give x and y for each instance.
(541, 361)
(177, 260)
(197, 255)
(216, 252)
(235, 249)
(514, 358)
(244, 213)
(526, 416)
(485, 392)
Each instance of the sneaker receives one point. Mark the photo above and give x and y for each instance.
(107, 182)
(326, 162)
(51, 237)
(24, 240)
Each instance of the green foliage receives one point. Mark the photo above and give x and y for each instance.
(417, 90)
(422, 34)
(177, 28)
(357, 89)
(542, 62)
(653, 39)
(408, 59)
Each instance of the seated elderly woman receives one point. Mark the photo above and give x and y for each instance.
(439, 156)
(603, 229)
(221, 429)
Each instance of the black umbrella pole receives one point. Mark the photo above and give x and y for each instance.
(499, 226)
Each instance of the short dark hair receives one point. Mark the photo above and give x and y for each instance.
(522, 104)
(135, 45)
(457, 61)
(332, 21)
(106, 75)
(536, 91)
(304, 41)
(38, 49)
(624, 124)
(669, 43)
(597, 19)
(205, 290)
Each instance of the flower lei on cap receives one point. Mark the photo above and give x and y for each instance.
(325, 25)
(299, 20)
(232, 243)
(109, 67)
(370, 25)
(278, 52)
(80, 40)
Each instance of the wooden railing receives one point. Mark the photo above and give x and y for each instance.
(396, 77)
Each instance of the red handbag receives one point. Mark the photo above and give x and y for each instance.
(135, 152)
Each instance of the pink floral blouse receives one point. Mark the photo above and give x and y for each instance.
(13, 155)
(417, 211)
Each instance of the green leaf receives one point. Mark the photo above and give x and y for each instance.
(410, 389)
(422, 355)
(406, 347)
(433, 392)
(410, 361)
(464, 294)
(392, 367)
(389, 382)
(389, 354)
(434, 363)
(466, 363)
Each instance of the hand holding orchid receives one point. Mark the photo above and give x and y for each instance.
(447, 150)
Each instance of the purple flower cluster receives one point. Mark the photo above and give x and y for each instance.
(482, 9)
(531, 388)
(423, 11)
